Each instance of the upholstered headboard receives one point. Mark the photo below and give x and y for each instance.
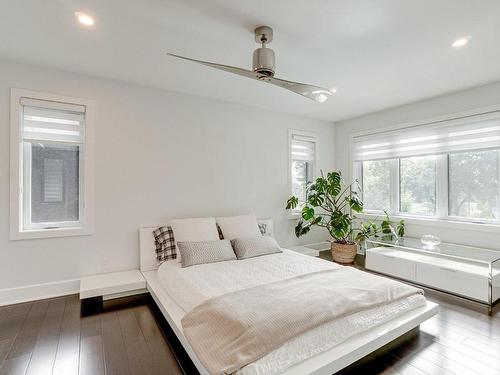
(147, 252)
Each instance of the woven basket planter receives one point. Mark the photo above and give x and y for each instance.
(344, 253)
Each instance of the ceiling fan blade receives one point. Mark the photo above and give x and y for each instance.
(318, 94)
(226, 68)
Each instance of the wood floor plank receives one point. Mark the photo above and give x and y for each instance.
(15, 366)
(461, 358)
(68, 349)
(4, 313)
(139, 357)
(44, 352)
(451, 331)
(13, 322)
(26, 339)
(161, 352)
(91, 350)
(447, 363)
(115, 353)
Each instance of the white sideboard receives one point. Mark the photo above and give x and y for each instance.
(457, 276)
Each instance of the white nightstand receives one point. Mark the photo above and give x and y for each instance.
(113, 285)
(312, 249)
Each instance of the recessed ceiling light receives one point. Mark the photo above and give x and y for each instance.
(84, 19)
(461, 42)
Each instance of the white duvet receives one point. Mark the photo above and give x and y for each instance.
(192, 285)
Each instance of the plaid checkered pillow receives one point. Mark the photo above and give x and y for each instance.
(221, 236)
(165, 244)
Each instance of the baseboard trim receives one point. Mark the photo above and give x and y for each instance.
(38, 291)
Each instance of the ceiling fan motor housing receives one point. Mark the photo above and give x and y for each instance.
(264, 61)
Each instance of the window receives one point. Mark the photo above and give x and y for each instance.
(417, 184)
(448, 170)
(377, 184)
(473, 185)
(302, 150)
(51, 159)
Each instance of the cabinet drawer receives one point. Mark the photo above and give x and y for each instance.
(390, 265)
(453, 280)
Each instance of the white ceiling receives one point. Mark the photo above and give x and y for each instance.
(378, 53)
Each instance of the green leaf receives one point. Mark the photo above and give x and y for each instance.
(340, 225)
(307, 213)
(334, 183)
(315, 199)
(301, 228)
(292, 202)
(355, 203)
(400, 229)
(320, 185)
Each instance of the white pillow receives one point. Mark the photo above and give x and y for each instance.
(194, 230)
(244, 226)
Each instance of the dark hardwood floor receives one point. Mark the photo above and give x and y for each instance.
(50, 337)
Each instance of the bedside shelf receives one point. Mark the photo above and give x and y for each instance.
(112, 285)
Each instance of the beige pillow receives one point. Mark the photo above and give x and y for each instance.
(194, 230)
(238, 226)
(255, 246)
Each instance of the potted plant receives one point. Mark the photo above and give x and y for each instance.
(330, 204)
(387, 230)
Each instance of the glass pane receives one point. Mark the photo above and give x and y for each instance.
(418, 185)
(473, 184)
(301, 175)
(54, 182)
(377, 185)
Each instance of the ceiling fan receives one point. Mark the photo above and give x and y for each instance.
(263, 68)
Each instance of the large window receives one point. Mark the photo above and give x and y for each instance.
(417, 185)
(448, 170)
(473, 184)
(302, 150)
(377, 184)
(51, 165)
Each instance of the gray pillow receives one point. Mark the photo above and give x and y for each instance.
(255, 246)
(193, 253)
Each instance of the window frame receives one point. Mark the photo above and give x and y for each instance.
(442, 217)
(311, 137)
(442, 193)
(85, 226)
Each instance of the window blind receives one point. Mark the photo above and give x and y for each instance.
(56, 122)
(53, 184)
(478, 132)
(303, 148)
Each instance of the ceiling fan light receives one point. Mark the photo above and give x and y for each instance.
(84, 19)
(461, 42)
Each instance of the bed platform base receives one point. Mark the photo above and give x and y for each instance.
(326, 363)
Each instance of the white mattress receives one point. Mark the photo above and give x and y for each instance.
(192, 285)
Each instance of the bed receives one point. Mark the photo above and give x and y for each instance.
(324, 350)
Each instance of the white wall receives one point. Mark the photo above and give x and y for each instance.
(159, 155)
(466, 100)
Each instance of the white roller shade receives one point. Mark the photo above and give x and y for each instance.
(479, 132)
(303, 148)
(48, 124)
